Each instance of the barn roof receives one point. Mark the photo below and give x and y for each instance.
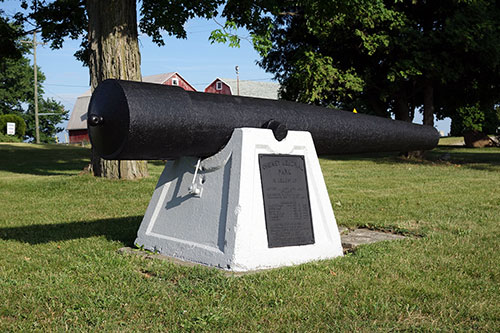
(158, 78)
(267, 90)
(161, 78)
(78, 118)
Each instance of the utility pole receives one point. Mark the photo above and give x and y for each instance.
(237, 69)
(35, 70)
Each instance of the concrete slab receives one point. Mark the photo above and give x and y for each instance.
(343, 231)
(350, 240)
(353, 239)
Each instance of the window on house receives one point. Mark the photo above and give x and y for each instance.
(175, 82)
(218, 85)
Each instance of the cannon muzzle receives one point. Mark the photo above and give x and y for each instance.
(144, 121)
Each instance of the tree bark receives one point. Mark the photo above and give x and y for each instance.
(114, 54)
(402, 106)
(405, 113)
(379, 107)
(428, 103)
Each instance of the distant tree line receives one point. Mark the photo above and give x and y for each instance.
(383, 56)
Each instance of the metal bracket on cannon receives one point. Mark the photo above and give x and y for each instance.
(196, 189)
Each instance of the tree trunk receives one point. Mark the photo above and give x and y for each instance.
(379, 107)
(412, 100)
(474, 139)
(405, 113)
(428, 104)
(402, 107)
(114, 53)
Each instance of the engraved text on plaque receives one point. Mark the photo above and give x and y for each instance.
(286, 200)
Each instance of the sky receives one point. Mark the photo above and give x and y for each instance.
(194, 58)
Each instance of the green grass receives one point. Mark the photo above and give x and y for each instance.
(60, 230)
(451, 140)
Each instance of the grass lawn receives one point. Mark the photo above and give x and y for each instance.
(60, 231)
(452, 140)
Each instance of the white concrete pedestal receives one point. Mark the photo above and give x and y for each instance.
(220, 221)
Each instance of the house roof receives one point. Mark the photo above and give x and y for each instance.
(267, 90)
(78, 118)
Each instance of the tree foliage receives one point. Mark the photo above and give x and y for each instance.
(16, 84)
(62, 19)
(17, 97)
(474, 119)
(9, 38)
(17, 89)
(171, 16)
(55, 113)
(16, 74)
(379, 56)
(320, 51)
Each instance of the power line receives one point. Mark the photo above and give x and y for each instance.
(198, 31)
(65, 85)
(61, 98)
(263, 79)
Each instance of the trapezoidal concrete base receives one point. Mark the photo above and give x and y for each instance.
(216, 214)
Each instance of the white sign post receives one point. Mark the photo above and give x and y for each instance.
(11, 128)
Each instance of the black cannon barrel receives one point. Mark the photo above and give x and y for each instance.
(134, 120)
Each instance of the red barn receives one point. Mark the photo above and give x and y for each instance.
(77, 124)
(169, 79)
(218, 86)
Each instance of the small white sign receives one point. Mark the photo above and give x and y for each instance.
(11, 128)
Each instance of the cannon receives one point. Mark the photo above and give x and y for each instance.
(242, 187)
(145, 121)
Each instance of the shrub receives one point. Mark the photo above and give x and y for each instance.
(476, 120)
(472, 118)
(12, 118)
(9, 138)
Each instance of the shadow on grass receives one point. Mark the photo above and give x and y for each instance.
(118, 229)
(43, 160)
(158, 163)
(486, 159)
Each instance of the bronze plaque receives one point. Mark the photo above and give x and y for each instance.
(286, 200)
